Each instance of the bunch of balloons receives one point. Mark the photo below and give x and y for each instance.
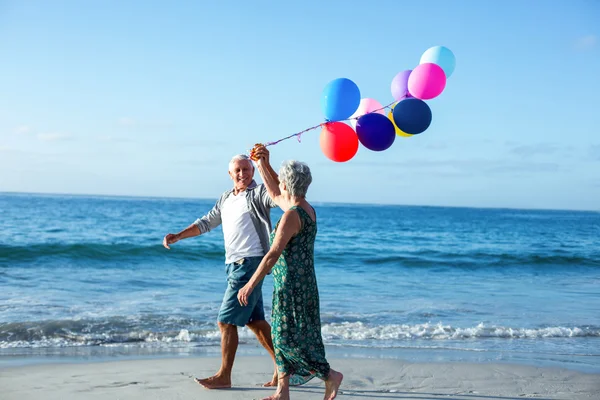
(409, 114)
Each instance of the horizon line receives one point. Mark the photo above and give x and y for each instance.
(316, 201)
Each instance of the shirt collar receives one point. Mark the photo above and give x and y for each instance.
(251, 186)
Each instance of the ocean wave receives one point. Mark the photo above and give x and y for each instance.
(107, 252)
(115, 330)
(167, 331)
(359, 331)
(425, 259)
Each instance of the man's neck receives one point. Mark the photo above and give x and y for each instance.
(251, 185)
(237, 191)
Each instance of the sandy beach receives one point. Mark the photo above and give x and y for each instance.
(363, 378)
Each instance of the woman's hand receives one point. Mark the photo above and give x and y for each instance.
(260, 153)
(244, 293)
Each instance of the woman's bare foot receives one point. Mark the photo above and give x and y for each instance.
(272, 382)
(279, 395)
(283, 389)
(332, 384)
(214, 382)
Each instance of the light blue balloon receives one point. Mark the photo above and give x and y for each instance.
(340, 99)
(441, 56)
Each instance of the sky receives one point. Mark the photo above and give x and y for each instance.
(153, 98)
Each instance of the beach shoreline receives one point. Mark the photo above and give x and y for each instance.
(170, 378)
(19, 357)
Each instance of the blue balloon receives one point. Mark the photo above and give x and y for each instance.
(375, 131)
(441, 56)
(340, 99)
(412, 116)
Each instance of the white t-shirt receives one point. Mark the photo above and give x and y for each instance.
(241, 239)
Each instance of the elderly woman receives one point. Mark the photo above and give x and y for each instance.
(295, 318)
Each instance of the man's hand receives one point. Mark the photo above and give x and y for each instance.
(170, 239)
(244, 293)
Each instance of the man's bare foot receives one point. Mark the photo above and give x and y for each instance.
(214, 382)
(272, 382)
(332, 384)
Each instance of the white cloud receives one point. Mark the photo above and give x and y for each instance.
(529, 150)
(155, 125)
(587, 42)
(126, 121)
(437, 146)
(112, 139)
(595, 152)
(471, 167)
(53, 137)
(23, 129)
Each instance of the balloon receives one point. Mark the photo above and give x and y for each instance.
(400, 85)
(412, 116)
(441, 56)
(338, 141)
(366, 106)
(398, 130)
(426, 81)
(339, 100)
(375, 132)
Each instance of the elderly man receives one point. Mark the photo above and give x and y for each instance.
(244, 212)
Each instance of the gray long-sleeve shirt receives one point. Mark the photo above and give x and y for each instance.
(259, 204)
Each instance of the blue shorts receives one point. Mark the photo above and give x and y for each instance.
(238, 274)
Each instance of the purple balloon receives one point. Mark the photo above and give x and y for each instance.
(400, 85)
(375, 131)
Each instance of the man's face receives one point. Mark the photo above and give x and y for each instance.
(241, 172)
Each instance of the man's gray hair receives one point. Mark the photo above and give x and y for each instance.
(238, 158)
(296, 176)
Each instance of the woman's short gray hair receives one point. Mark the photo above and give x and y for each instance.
(238, 158)
(296, 176)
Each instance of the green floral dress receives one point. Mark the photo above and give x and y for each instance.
(296, 318)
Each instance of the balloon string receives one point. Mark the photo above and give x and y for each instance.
(292, 135)
(298, 134)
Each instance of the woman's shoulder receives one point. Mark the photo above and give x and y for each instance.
(308, 210)
(290, 214)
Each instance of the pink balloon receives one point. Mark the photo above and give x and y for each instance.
(426, 81)
(366, 106)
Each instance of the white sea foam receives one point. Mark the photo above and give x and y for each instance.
(359, 331)
(355, 333)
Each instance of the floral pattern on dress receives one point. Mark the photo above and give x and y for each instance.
(295, 316)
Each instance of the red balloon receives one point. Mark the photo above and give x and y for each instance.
(339, 142)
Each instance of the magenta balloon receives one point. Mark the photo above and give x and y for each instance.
(426, 81)
(400, 85)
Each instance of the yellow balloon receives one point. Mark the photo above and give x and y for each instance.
(399, 132)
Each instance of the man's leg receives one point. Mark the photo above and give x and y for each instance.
(262, 330)
(229, 345)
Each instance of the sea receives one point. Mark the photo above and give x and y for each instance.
(86, 278)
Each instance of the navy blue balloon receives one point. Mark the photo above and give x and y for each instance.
(340, 99)
(375, 131)
(412, 116)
